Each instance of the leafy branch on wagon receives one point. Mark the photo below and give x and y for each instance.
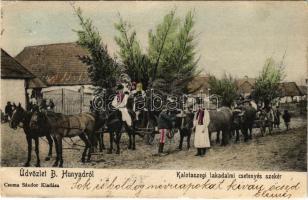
(169, 63)
(135, 63)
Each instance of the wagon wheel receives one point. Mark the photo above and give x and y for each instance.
(150, 136)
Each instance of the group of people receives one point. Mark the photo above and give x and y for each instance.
(201, 120)
(201, 117)
(32, 106)
(42, 105)
(285, 116)
(274, 115)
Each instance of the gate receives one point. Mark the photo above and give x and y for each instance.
(69, 102)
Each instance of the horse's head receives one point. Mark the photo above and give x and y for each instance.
(17, 117)
(237, 116)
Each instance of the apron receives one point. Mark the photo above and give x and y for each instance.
(201, 122)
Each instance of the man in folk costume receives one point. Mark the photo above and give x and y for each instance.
(119, 102)
(201, 123)
(164, 128)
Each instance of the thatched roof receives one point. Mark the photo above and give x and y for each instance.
(303, 89)
(289, 89)
(245, 85)
(11, 68)
(198, 83)
(56, 64)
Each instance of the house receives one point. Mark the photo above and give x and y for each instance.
(60, 68)
(15, 79)
(199, 84)
(289, 91)
(245, 85)
(58, 65)
(303, 90)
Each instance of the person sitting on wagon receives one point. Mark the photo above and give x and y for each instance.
(133, 87)
(119, 102)
(201, 123)
(139, 101)
(43, 105)
(51, 105)
(164, 128)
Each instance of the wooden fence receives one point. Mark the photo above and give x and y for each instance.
(69, 101)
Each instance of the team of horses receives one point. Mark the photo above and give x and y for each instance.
(56, 126)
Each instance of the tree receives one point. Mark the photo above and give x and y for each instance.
(267, 84)
(136, 64)
(176, 64)
(182, 65)
(103, 69)
(225, 88)
(169, 64)
(161, 42)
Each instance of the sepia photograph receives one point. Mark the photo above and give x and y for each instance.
(199, 85)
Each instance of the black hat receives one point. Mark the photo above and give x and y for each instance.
(120, 87)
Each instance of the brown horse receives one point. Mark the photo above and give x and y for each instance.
(82, 125)
(22, 116)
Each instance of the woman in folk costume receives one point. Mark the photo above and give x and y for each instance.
(201, 123)
(119, 102)
(139, 98)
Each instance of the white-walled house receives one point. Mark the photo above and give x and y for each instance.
(60, 68)
(14, 81)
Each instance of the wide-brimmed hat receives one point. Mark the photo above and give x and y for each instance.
(120, 87)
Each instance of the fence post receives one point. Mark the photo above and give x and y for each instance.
(81, 98)
(63, 111)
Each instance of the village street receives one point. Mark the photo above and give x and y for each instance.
(283, 150)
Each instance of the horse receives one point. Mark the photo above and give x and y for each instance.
(115, 124)
(236, 124)
(221, 121)
(248, 121)
(98, 138)
(61, 125)
(22, 116)
(184, 123)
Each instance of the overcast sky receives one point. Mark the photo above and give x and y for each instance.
(233, 37)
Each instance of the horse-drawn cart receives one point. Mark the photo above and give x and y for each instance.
(147, 127)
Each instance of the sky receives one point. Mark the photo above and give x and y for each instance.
(232, 37)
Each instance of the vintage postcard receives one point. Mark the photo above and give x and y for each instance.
(165, 99)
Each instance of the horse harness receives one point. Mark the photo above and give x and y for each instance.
(71, 122)
(74, 122)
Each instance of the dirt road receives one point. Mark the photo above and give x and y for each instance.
(283, 150)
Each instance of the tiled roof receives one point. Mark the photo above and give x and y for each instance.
(56, 64)
(11, 68)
